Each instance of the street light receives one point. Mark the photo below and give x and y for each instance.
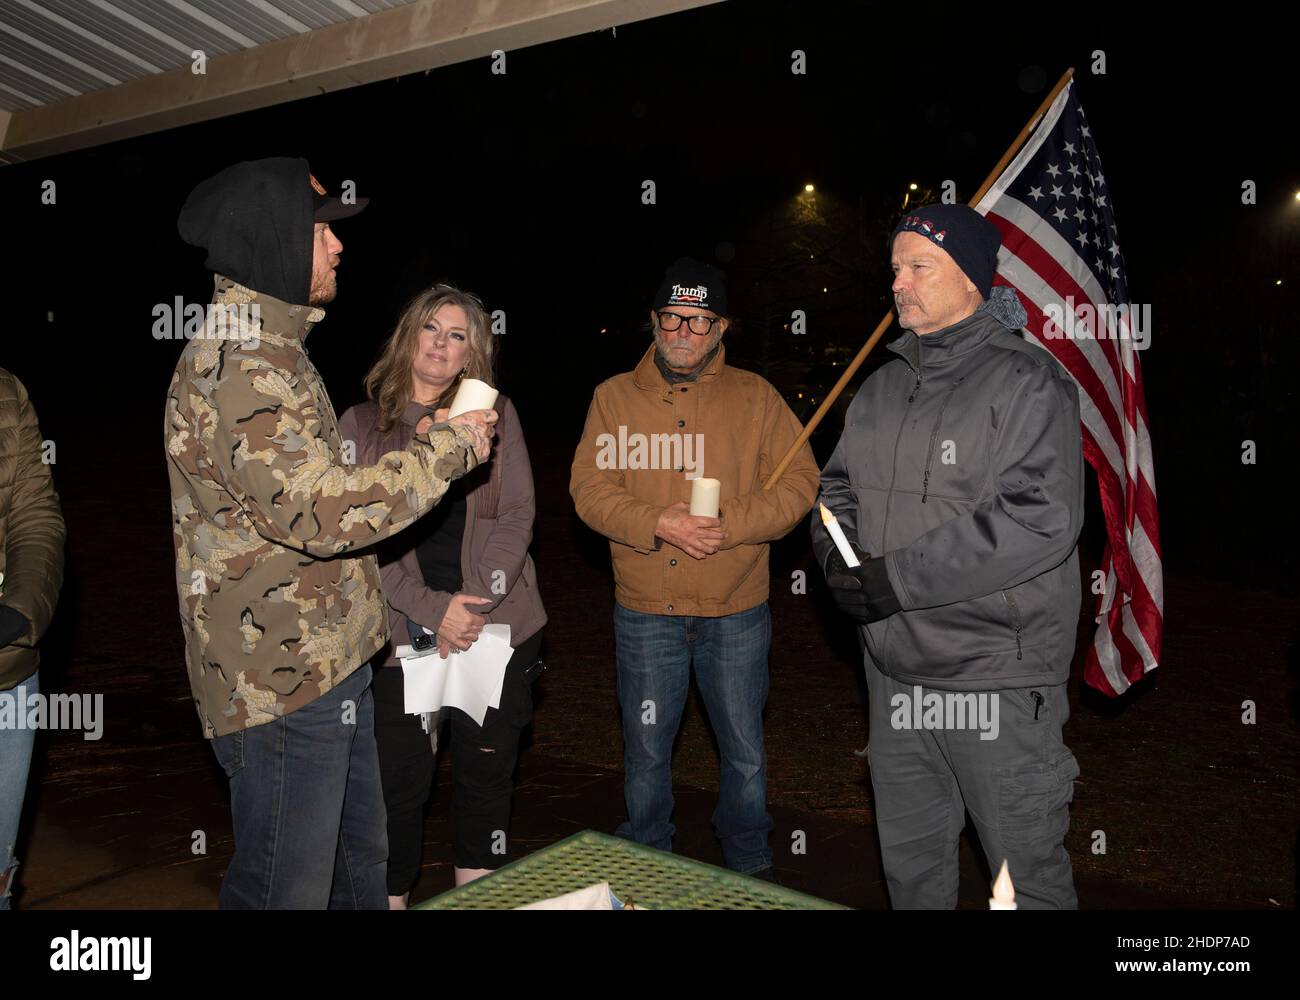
(912, 187)
(809, 189)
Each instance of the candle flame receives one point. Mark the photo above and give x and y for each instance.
(827, 516)
(1003, 891)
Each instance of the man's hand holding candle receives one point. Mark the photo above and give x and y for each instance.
(862, 592)
(696, 536)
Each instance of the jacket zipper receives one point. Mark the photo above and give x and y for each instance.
(1015, 620)
(893, 477)
(889, 497)
(934, 434)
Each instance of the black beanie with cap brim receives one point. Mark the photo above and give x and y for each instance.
(255, 220)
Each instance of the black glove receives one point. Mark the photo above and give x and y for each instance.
(13, 625)
(862, 592)
(835, 564)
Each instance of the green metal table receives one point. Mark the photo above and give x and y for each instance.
(643, 876)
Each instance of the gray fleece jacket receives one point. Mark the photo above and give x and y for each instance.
(961, 463)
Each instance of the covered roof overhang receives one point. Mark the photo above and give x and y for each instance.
(78, 73)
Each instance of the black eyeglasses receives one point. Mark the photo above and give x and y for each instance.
(670, 322)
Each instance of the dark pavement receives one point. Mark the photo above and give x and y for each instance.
(140, 856)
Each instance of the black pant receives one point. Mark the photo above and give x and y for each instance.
(482, 771)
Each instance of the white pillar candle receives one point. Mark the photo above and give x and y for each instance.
(472, 395)
(837, 535)
(1004, 893)
(705, 494)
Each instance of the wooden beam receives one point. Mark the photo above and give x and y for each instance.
(6, 117)
(407, 39)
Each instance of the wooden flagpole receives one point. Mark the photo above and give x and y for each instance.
(884, 324)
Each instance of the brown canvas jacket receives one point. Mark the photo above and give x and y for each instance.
(744, 429)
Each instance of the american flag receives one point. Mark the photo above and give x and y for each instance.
(1061, 254)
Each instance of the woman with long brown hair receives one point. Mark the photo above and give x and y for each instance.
(463, 566)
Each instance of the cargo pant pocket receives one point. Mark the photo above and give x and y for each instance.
(1034, 801)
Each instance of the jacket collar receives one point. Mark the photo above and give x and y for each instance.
(282, 323)
(948, 344)
(646, 375)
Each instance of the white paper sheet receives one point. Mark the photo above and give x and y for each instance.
(595, 897)
(470, 681)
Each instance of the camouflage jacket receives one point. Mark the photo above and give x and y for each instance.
(265, 504)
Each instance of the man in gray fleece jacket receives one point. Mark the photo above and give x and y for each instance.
(958, 480)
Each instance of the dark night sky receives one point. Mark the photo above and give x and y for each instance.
(526, 189)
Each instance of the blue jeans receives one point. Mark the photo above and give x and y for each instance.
(308, 809)
(15, 760)
(655, 653)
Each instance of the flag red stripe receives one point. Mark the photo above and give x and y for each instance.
(1055, 274)
(1071, 356)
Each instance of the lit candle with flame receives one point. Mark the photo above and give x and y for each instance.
(837, 535)
(1004, 893)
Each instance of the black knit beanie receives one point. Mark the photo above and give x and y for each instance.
(969, 239)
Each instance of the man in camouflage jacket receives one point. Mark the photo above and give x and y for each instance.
(281, 613)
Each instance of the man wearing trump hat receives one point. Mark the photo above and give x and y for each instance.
(691, 590)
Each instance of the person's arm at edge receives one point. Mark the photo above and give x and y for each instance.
(34, 533)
